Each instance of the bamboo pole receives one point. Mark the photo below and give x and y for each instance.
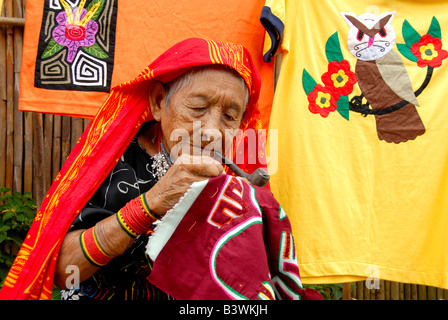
(382, 293)
(56, 155)
(400, 291)
(18, 115)
(374, 294)
(394, 291)
(86, 123)
(366, 292)
(407, 291)
(422, 295)
(347, 291)
(38, 174)
(387, 290)
(77, 129)
(439, 292)
(18, 141)
(414, 292)
(360, 290)
(432, 293)
(9, 98)
(27, 118)
(28, 153)
(66, 128)
(48, 146)
(2, 105)
(15, 22)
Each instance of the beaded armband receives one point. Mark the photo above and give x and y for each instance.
(92, 249)
(135, 217)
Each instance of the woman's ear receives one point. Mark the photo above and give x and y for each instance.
(157, 99)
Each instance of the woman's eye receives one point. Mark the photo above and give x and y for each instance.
(199, 110)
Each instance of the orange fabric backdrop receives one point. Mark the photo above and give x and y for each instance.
(145, 29)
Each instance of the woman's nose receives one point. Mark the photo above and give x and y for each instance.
(211, 132)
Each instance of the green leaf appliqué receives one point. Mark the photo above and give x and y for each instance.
(52, 48)
(410, 35)
(343, 107)
(333, 49)
(96, 51)
(308, 82)
(434, 28)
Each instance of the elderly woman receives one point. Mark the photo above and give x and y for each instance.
(129, 169)
(216, 96)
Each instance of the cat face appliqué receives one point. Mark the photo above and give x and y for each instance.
(370, 36)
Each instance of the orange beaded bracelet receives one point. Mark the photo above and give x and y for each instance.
(92, 249)
(135, 217)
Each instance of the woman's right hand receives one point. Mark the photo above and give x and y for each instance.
(178, 179)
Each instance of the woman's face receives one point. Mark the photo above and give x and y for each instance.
(206, 113)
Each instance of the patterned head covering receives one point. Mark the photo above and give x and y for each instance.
(99, 149)
(196, 52)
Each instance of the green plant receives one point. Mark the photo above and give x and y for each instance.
(328, 291)
(17, 212)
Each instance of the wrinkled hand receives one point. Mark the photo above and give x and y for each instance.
(178, 179)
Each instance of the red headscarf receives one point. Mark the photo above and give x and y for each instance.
(99, 149)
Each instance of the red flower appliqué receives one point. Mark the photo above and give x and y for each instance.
(322, 100)
(74, 32)
(340, 78)
(73, 35)
(429, 51)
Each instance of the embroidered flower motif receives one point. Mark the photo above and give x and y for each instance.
(339, 77)
(322, 100)
(75, 28)
(429, 51)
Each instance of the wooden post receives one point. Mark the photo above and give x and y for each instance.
(407, 291)
(414, 292)
(347, 291)
(18, 115)
(48, 146)
(2, 105)
(39, 168)
(77, 129)
(9, 98)
(439, 292)
(394, 291)
(56, 160)
(360, 290)
(382, 293)
(14, 22)
(432, 293)
(66, 128)
(422, 292)
(387, 290)
(29, 153)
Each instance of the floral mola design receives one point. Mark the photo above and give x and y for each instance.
(76, 28)
(339, 79)
(322, 100)
(429, 51)
(338, 82)
(77, 45)
(75, 33)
